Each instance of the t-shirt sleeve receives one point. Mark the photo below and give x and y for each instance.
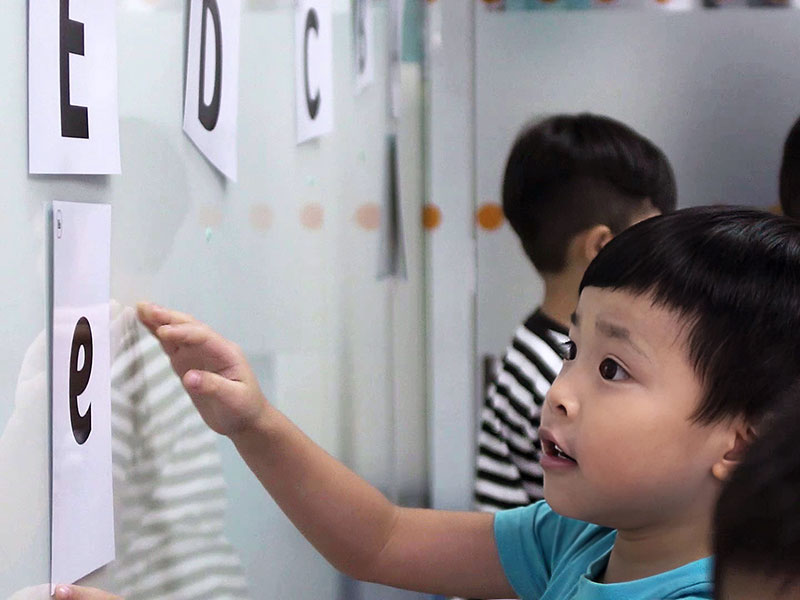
(528, 544)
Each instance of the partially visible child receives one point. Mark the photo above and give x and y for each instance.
(685, 331)
(572, 182)
(757, 521)
(789, 184)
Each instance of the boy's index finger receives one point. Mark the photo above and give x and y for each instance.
(217, 353)
(191, 334)
(76, 592)
(153, 316)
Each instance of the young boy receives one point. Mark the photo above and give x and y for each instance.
(572, 182)
(757, 521)
(685, 329)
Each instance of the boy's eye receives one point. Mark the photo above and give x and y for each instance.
(612, 371)
(568, 350)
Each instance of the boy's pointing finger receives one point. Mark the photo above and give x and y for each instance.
(76, 592)
(206, 385)
(153, 316)
(205, 348)
(192, 334)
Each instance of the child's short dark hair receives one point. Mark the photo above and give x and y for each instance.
(757, 519)
(571, 172)
(733, 275)
(789, 185)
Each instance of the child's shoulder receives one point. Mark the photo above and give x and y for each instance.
(560, 536)
(546, 555)
(535, 543)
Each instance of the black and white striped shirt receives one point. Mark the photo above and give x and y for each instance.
(170, 496)
(169, 490)
(508, 470)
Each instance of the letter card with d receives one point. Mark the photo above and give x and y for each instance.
(212, 81)
(82, 495)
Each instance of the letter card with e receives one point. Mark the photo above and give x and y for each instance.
(82, 495)
(73, 114)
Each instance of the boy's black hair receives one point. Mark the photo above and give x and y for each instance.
(757, 519)
(568, 173)
(733, 276)
(789, 184)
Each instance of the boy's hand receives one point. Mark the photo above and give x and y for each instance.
(76, 592)
(213, 370)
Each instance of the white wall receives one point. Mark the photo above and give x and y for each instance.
(339, 351)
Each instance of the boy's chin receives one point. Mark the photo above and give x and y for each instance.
(565, 504)
(573, 506)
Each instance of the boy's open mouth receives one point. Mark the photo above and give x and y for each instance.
(550, 448)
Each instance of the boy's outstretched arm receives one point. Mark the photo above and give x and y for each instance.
(350, 522)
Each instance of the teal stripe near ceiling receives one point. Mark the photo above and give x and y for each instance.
(413, 19)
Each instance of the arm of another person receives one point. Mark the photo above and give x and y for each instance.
(347, 520)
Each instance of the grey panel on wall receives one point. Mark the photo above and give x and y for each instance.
(717, 90)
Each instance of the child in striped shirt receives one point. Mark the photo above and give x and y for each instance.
(572, 182)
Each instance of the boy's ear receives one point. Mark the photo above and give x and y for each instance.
(741, 438)
(594, 239)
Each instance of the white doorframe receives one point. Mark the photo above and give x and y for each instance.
(450, 252)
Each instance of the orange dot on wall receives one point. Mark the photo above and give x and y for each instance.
(368, 216)
(431, 217)
(490, 216)
(312, 216)
(210, 216)
(261, 217)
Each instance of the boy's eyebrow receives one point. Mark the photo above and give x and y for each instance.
(619, 333)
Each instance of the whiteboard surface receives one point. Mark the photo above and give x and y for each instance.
(283, 262)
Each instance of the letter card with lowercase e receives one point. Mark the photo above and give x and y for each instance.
(82, 495)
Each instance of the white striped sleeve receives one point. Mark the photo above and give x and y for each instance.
(172, 493)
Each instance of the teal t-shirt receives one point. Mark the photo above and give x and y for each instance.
(549, 557)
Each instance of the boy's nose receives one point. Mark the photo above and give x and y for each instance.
(560, 399)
